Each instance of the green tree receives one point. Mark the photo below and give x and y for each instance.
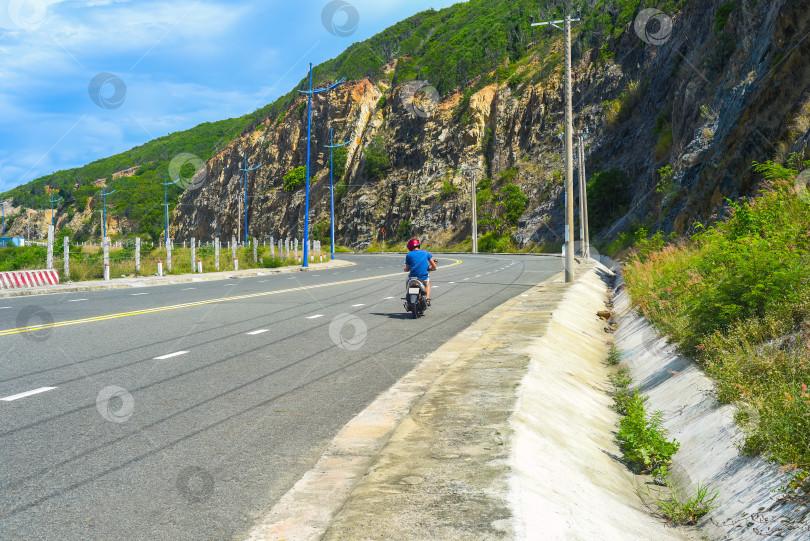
(377, 161)
(404, 230)
(296, 178)
(340, 156)
(608, 197)
(321, 232)
(513, 202)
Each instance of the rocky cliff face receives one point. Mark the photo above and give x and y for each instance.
(706, 100)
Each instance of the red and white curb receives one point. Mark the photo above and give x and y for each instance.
(34, 278)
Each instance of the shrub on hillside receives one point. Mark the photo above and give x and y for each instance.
(737, 298)
(295, 179)
(608, 197)
(377, 161)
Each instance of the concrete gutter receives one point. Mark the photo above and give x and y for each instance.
(569, 481)
(505, 432)
(749, 504)
(148, 281)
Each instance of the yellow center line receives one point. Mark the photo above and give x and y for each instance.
(31, 328)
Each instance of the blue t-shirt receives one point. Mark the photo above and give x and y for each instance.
(418, 263)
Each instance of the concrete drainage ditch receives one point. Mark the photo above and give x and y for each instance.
(748, 504)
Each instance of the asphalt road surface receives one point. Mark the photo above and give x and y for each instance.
(186, 411)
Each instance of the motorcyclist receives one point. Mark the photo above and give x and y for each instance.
(417, 263)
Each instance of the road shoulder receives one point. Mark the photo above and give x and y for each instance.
(171, 279)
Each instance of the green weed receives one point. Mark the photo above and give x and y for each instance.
(641, 434)
(681, 506)
(614, 355)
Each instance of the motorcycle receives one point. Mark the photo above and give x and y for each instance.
(415, 297)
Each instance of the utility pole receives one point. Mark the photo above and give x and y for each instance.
(245, 170)
(332, 146)
(569, 159)
(104, 213)
(309, 93)
(53, 222)
(166, 207)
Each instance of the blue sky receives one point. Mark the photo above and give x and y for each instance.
(171, 66)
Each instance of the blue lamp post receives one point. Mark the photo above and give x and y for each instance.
(310, 92)
(331, 146)
(104, 213)
(53, 222)
(245, 170)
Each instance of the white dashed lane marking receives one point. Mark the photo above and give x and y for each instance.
(316, 316)
(14, 397)
(260, 331)
(170, 355)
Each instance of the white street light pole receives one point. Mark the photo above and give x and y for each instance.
(584, 207)
(581, 182)
(473, 202)
(474, 214)
(569, 159)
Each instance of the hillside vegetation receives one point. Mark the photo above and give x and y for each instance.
(736, 297)
(466, 46)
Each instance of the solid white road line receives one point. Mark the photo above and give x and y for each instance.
(14, 397)
(316, 316)
(170, 355)
(260, 331)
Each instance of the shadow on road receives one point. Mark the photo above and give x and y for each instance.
(400, 315)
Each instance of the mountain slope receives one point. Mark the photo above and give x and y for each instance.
(674, 128)
(675, 122)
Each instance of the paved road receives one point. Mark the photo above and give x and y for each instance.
(186, 411)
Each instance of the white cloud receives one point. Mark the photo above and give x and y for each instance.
(183, 63)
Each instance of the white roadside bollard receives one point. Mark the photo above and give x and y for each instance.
(106, 272)
(235, 264)
(199, 266)
(160, 267)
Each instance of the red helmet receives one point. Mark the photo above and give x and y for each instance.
(413, 244)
